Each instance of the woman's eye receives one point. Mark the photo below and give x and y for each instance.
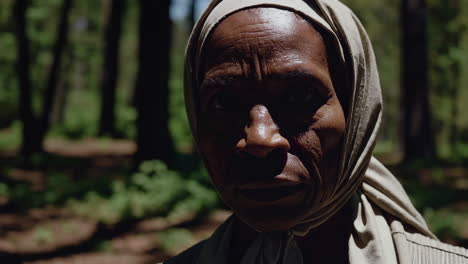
(218, 103)
(308, 96)
(302, 97)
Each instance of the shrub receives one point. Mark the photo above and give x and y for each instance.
(153, 191)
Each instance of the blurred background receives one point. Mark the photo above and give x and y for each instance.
(97, 163)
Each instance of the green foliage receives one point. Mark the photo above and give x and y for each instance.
(381, 20)
(8, 91)
(103, 246)
(178, 123)
(442, 223)
(462, 150)
(11, 137)
(59, 189)
(41, 22)
(173, 239)
(125, 123)
(152, 191)
(4, 190)
(81, 117)
(448, 32)
(443, 207)
(43, 235)
(436, 197)
(386, 146)
(78, 126)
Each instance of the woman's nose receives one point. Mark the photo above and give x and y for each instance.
(261, 134)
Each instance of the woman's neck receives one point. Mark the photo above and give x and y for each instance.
(242, 238)
(327, 243)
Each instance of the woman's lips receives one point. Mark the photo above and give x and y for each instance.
(270, 193)
(280, 178)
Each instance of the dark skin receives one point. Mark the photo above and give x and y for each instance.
(271, 128)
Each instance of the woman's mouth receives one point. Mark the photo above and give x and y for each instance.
(270, 193)
(270, 181)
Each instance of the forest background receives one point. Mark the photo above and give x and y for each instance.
(97, 162)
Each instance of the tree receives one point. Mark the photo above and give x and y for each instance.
(192, 16)
(52, 82)
(30, 143)
(35, 128)
(151, 96)
(448, 27)
(110, 69)
(418, 137)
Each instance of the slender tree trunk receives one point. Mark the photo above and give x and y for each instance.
(153, 138)
(454, 39)
(110, 69)
(454, 94)
(52, 81)
(63, 88)
(192, 13)
(30, 142)
(417, 131)
(454, 121)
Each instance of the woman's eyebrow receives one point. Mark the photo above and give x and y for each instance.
(289, 75)
(317, 80)
(298, 75)
(213, 83)
(219, 81)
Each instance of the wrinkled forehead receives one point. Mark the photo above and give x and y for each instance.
(265, 37)
(283, 20)
(247, 22)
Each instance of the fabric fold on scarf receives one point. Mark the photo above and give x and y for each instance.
(379, 199)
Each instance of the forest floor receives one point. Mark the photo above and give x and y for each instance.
(52, 234)
(57, 235)
(76, 240)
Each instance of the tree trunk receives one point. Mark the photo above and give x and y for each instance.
(52, 81)
(63, 89)
(455, 69)
(417, 131)
(110, 69)
(454, 40)
(30, 142)
(153, 138)
(192, 13)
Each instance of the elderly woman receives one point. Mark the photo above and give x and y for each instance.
(284, 101)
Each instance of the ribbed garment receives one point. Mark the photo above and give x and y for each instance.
(418, 249)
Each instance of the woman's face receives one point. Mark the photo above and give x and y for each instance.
(270, 123)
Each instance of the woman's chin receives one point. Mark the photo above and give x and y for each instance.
(274, 214)
(269, 222)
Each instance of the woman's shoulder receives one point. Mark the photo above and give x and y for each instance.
(416, 248)
(188, 256)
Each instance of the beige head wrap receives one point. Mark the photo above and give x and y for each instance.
(381, 204)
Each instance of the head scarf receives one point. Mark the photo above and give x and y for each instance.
(377, 195)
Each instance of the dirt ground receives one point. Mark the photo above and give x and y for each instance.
(70, 239)
(55, 235)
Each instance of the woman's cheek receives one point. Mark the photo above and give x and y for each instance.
(330, 127)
